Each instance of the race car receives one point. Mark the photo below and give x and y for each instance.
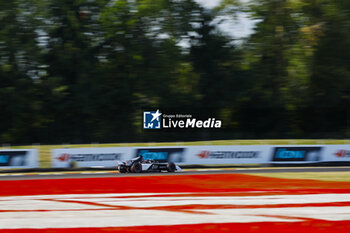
(138, 165)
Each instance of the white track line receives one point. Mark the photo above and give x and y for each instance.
(100, 210)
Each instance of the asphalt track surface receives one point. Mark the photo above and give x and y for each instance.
(185, 172)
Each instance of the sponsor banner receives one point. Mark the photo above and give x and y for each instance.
(250, 154)
(90, 157)
(227, 155)
(108, 157)
(19, 158)
(337, 153)
(162, 154)
(297, 154)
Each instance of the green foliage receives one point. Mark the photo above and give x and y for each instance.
(82, 71)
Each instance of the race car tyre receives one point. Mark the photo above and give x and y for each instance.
(171, 167)
(136, 167)
(122, 169)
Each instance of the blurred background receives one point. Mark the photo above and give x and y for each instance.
(81, 71)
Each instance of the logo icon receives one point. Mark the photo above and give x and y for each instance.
(162, 154)
(342, 153)
(203, 154)
(4, 158)
(311, 154)
(63, 157)
(151, 120)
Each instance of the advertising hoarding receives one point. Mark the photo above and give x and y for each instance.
(90, 157)
(21, 158)
(227, 155)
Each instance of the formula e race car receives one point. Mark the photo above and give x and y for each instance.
(138, 165)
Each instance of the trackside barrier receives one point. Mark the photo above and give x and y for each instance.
(202, 155)
(21, 158)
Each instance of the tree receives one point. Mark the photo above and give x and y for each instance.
(330, 73)
(19, 66)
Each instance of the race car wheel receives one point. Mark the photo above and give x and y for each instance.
(136, 167)
(171, 167)
(122, 169)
